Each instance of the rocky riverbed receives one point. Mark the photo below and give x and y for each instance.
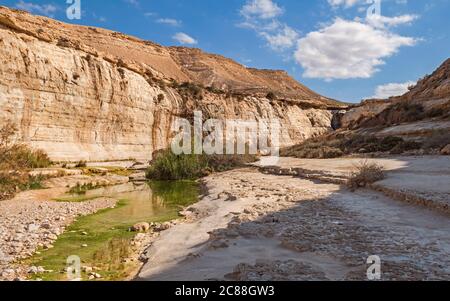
(30, 225)
(32, 221)
(255, 226)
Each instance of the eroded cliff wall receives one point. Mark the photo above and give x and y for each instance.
(79, 105)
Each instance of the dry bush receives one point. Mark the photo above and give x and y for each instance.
(438, 140)
(338, 145)
(81, 164)
(15, 161)
(366, 173)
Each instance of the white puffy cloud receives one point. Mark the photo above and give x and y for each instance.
(262, 17)
(282, 39)
(347, 49)
(392, 89)
(183, 38)
(168, 21)
(379, 21)
(346, 3)
(43, 9)
(264, 9)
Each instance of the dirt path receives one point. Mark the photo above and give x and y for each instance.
(254, 226)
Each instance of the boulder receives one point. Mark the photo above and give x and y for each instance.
(141, 227)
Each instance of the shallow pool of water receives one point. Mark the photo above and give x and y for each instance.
(107, 236)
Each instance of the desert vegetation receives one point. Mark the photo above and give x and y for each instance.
(169, 166)
(15, 162)
(402, 112)
(341, 144)
(366, 173)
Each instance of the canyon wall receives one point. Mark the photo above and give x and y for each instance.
(79, 103)
(431, 93)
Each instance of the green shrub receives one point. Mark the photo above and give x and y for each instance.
(15, 156)
(18, 157)
(12, 182)
(168, 166)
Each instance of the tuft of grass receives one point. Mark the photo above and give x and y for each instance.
(83, 188)
(366, 173)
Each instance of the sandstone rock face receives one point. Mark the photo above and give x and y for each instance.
(432, 93)
(77, 99)
(365, 110)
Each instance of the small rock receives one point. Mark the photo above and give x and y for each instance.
(46, 226)
(219, 244)
(139, 236)
(36, 270)
(95, 275)
(84, 233)
(84, 245)
(32, 228)
(52, 236)
(87, 269)
(162, 227)
(446, 150)
(141, 227)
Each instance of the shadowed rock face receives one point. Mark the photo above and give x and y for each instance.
(83, 93)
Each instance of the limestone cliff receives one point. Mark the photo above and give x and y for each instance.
(83, 93)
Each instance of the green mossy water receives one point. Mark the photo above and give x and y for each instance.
(107, 230)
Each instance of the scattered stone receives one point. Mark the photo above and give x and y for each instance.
(87, 269)
(95, 275)
(139, 236)
(84, 245)
(162, 227)
(32, 227)
(46, 226)
(36, 270)
(141, 227)
(52, 236)
(219, 244)
(446, 150)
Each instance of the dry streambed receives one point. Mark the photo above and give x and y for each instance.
(254, 226)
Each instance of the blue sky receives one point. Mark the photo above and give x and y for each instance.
(335, 47)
